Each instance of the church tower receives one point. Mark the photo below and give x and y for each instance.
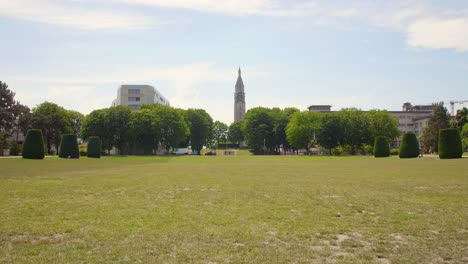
(239, 99)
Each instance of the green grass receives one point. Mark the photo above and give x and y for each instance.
(242, 209)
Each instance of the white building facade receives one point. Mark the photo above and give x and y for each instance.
(134, 96)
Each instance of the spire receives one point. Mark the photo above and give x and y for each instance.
(239, 83)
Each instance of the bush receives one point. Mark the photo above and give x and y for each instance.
(33, 146)
(69, 147)
(409, 146)
(337, 151)
(83, 150)
(394, 152)
(450, 144)
(366, 149)
(381, 147)
(94, 147)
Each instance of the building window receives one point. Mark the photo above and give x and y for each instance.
(134, 107)
(134, 99)
(133, 91)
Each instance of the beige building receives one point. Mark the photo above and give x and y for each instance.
(134, 96)
(411, 119)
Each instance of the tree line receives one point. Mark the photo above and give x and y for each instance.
(162, 128)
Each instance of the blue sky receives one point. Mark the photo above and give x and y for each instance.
(365, 54)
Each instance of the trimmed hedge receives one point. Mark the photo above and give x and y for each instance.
(94, 147)
(69, 147)
(33, 146)
(450, 144)
(381, 147)
(409, 146)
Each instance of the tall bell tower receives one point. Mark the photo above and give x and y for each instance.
(239, 99)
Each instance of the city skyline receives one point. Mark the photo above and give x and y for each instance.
(364, 54)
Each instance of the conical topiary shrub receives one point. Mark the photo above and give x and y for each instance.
(409, 146)
(94, 147)
(33, 146)
(381, 147)
(69, 147)
(450, 144)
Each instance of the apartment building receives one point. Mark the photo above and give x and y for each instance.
(134, 96)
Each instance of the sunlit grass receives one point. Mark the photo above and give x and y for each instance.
(242, 209)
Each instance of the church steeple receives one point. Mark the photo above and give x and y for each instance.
(239, 99)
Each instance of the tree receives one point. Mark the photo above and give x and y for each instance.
(409, 147)
(169, 124)
(461, 118)
(281, 120)
(14, 117)
(97, 124)
(220, 132)
(303, 129)
(356, 126)
(33, 147)
(332, 132)
(464, 136)
(69, 147)
(53, 120)
(450, 144)
(76, 119)
(258, 129)
(200, 125)
(7, 101)
(118, 119)
(142, 131)
(440, 119)
(94, 147)
(235, 133)
(381, 147)
(382, 124)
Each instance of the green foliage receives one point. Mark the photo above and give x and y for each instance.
(366, 149)
(258, 128)
(382, 124)
(303, 129)
(356, 125)
(200, 125)
(461, 118)
(83, 150)
(94, 147)
(33, 146)
(69, 147)
(76, 119)
(450, 144)
(440, 119)
(337, 151)
(142, 131)
(220, 133)
(97, 124)
(464, 136)
(54, 121)
(394, 151)
(381, 147)
(7, 101)
(235, 133)
(409, 146)
(169, 125)
(332, 132)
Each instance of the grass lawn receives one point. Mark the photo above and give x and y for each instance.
(243, 209)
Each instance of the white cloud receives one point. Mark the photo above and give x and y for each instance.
(451, 33)
(73, 15)
(178, 83)
(229, 7)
